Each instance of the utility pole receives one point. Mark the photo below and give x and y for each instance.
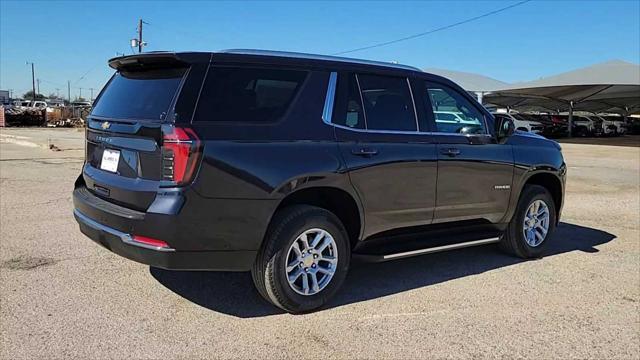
(69, 90)
(38, 82)
(80, 93)
(138, 42)
(140, 36)
(91, 93)
(33, 81)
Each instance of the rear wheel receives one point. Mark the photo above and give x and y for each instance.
(532, 225)
(304, 259)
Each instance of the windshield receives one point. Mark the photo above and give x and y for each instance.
(139, 95)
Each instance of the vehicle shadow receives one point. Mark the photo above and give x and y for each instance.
(234, 294)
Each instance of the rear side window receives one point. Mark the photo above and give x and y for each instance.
(348, 110)
(387, 103)
(144, 95)
(238, 94)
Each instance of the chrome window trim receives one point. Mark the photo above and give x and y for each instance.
(327, 114)
(329, 99)
(402, 132)
(124, 237)
(413, 101)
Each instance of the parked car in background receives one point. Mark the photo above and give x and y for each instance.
(552, 126)
(81, 104)
(618, 122)
(288, 164)
(448, 117)
(30, 103)
(584, 125)
(521, 123)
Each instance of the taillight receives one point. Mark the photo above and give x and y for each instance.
(180, 154)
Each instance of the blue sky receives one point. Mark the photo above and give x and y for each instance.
(72, 40)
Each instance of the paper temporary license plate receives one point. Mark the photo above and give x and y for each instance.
(110, 160)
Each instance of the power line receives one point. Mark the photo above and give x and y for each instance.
(433, 30)
(86, 73)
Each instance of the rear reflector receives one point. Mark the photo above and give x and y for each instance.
(150, 241)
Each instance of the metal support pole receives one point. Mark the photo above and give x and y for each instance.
(570, 118)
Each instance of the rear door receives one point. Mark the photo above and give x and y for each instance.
(391, 165)
(125, 161)
(474, 172)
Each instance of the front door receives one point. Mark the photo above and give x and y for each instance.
(475, 173)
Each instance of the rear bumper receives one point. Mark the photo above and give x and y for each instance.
(201, 234)
(166, 258)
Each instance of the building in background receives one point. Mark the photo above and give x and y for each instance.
(4, 97)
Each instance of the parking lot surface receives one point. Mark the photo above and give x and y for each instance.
(61, 295)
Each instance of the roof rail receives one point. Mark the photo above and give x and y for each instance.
(297, 55)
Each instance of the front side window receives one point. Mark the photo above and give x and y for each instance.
(387, 103)
(454, 113)
(237, 94)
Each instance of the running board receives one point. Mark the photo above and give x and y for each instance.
(431, 250)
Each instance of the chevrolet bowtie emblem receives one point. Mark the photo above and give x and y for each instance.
(105, 125)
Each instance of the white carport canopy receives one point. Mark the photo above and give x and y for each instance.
(613, 86)
(473, 83)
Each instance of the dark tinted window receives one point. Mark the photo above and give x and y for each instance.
(387, 103)
(247, 94)
(348, 106)
(139, 95)
(462, 116)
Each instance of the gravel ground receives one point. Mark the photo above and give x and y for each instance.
(61, 295)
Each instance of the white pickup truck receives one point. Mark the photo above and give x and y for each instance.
(30, 103)
(521, 123)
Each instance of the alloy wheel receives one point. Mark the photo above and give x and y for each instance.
(536, 223)
(311, 261)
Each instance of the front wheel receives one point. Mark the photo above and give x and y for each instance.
(532, 225)
(304, 259)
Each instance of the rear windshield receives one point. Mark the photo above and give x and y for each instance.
(239, 94)
(139, 95)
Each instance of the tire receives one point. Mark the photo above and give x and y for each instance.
(582, 132)
(513, 240)
(269, 271)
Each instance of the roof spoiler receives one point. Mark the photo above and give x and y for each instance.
(147, 60)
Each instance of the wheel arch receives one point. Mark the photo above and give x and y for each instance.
(552, 183)
(336, 200)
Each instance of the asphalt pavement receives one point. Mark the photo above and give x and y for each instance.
(63, 296)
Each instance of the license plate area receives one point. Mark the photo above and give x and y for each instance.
(110, 160)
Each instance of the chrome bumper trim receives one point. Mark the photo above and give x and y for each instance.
(126, 238)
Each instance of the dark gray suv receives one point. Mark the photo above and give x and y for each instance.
(288, 165)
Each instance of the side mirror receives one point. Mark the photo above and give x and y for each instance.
(504, 127)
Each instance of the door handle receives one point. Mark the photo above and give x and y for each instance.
(364, 152)
(450, 152)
